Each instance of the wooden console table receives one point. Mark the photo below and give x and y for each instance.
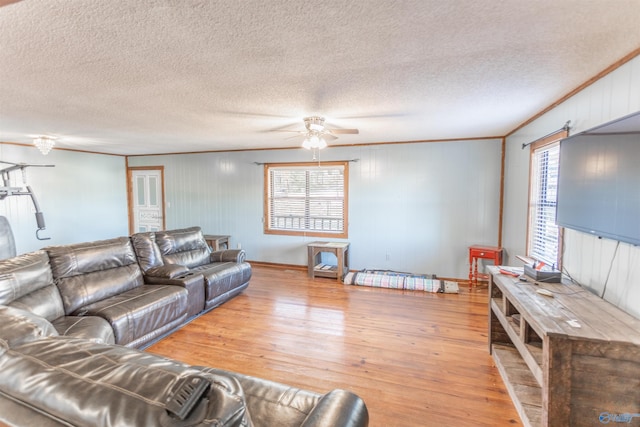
(341, 251)
(217, 243)
(568, 360)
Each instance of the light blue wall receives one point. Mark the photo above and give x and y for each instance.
(412, 207)
(588, 259)
(83, 197)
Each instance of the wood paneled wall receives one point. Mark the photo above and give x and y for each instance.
(595, 263)
(412, 207)
(83, 197)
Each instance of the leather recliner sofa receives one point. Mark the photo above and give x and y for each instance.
(103, 279)
(50, 380)
(163, 254)
(141, 297)
(63, 308)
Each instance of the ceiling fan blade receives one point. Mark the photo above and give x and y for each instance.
(375, 116)
(343, 131)
(254, 114)
(284, 130)
(329, 136)
(289, 127)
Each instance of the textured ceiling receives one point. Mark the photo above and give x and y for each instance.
(162, 76)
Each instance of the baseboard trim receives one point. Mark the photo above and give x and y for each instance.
(304, 268)
(277, 265)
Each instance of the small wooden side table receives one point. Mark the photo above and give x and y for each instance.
(485, 252)
(217, 243)
(341, 251)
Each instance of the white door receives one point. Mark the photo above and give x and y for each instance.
(147, 200)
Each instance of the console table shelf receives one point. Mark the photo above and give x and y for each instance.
(520, 382)
(567, 360)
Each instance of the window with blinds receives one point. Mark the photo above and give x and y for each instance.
(544, 239)
(306, 199)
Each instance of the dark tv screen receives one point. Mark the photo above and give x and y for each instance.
(599, 181)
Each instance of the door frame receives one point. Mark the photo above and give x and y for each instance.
(130, 170)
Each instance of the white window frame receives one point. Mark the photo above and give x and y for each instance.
(544, 237)
(305, 222)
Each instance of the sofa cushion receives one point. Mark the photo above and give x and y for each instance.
(19, 326)
(91, 328)
(26, 283)
(184, 246)
(222, 278)
(87, 257)
(147, 251)
(80, 291)
(147, 309)
(86, 273)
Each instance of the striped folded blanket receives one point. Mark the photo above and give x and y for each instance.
(395, 280)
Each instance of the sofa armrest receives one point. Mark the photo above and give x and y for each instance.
(338, 408)
(18, 326)
(192, 282)
(228, 255)
(168, 271)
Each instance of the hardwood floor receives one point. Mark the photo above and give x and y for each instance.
(417, 359)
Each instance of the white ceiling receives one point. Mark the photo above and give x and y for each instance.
(163, 76)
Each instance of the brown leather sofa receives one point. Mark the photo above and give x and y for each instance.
(50, 380)
(104, 290)
(62, 309)
(162, 254)
(103, 279)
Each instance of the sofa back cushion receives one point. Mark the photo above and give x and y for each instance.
(90, 272)
(147, 252)
(184, 247)
(26, 283)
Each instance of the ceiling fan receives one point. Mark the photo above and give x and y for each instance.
(316, 133)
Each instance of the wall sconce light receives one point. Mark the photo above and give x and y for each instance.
(44, 144)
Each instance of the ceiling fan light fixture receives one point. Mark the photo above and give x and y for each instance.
(306, 143)
(314, 139)
(315, 133)
(44, 144)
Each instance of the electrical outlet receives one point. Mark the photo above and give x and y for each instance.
(239, 246)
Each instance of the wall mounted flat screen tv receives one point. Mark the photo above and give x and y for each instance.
(599, 181)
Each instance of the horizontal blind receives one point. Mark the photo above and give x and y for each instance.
(306, 198)
(543, 236)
